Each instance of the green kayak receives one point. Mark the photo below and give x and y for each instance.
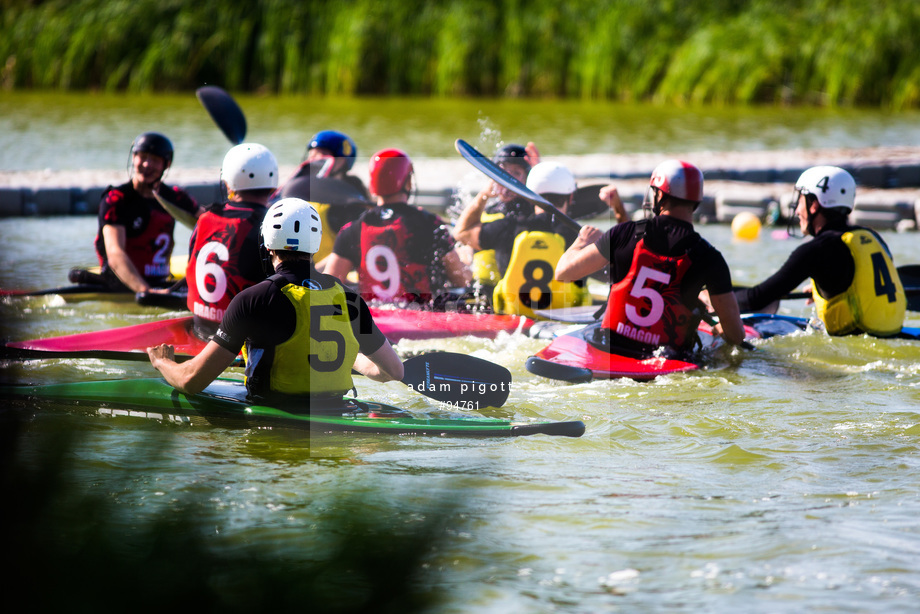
(224, 403)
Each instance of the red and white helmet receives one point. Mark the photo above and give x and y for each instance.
(292, 224)
(390, 170)
(831, 185)
(678, 179)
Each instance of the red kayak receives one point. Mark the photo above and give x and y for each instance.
(571, 358)
(396, 324)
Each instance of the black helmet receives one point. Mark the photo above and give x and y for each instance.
(512, 154)
(155, 143)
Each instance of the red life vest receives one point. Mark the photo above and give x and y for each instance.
(148, 231)
(645, 306)
(387, 272)
(214, 273)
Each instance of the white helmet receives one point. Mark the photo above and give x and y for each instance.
(551, 178)
(292, 224)
(831, 185)
(249, 166)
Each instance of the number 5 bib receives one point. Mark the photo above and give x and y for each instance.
(646, 307)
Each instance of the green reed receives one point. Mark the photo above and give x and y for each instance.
(825, 52)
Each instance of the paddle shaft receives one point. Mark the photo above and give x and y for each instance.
(64, 290)
(910, 279)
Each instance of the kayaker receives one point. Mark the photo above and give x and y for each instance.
(403, 254)
(658, 268)
(855, 285)
(135, 238)
(527, 245)
(493, 202)
(324, 179)
(330, 154)
(303, 331)
(224, 248)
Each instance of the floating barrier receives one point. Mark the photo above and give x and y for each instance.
(767, 196)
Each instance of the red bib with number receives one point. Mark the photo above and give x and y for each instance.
(213, 272)
(646, 307)
(387, 271)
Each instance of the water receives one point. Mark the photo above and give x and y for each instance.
(781, 479)
(67, 131)
(774, 480)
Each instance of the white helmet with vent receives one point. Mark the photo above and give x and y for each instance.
(249, 166)
(292, 224)
(831, 185)
(551, 178)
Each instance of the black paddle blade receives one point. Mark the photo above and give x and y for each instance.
(557, 371)
(587, 203)
(910, 279)
(319, 190)
(224, 111)
(173, 301)
(465, 381)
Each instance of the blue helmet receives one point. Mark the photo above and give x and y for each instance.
(339, 144)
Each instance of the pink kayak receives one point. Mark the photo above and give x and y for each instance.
(396, 324)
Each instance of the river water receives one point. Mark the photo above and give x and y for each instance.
(66, 131)
(779, 479)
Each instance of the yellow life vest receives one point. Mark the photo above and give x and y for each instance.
(875, 302)
(529, 282)
(317, 359)
(484, 266)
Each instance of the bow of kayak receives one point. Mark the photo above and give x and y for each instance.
(136, 338)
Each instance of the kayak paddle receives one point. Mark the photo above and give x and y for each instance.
(64, 290)
(502, 177)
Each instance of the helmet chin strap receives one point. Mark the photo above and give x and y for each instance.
(809, 216)
(649, 204)
(265, 256)
(408, 187)
(656, 201)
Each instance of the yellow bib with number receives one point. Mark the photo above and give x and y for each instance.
(875, 302)
(317, 359)
(528, 283)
